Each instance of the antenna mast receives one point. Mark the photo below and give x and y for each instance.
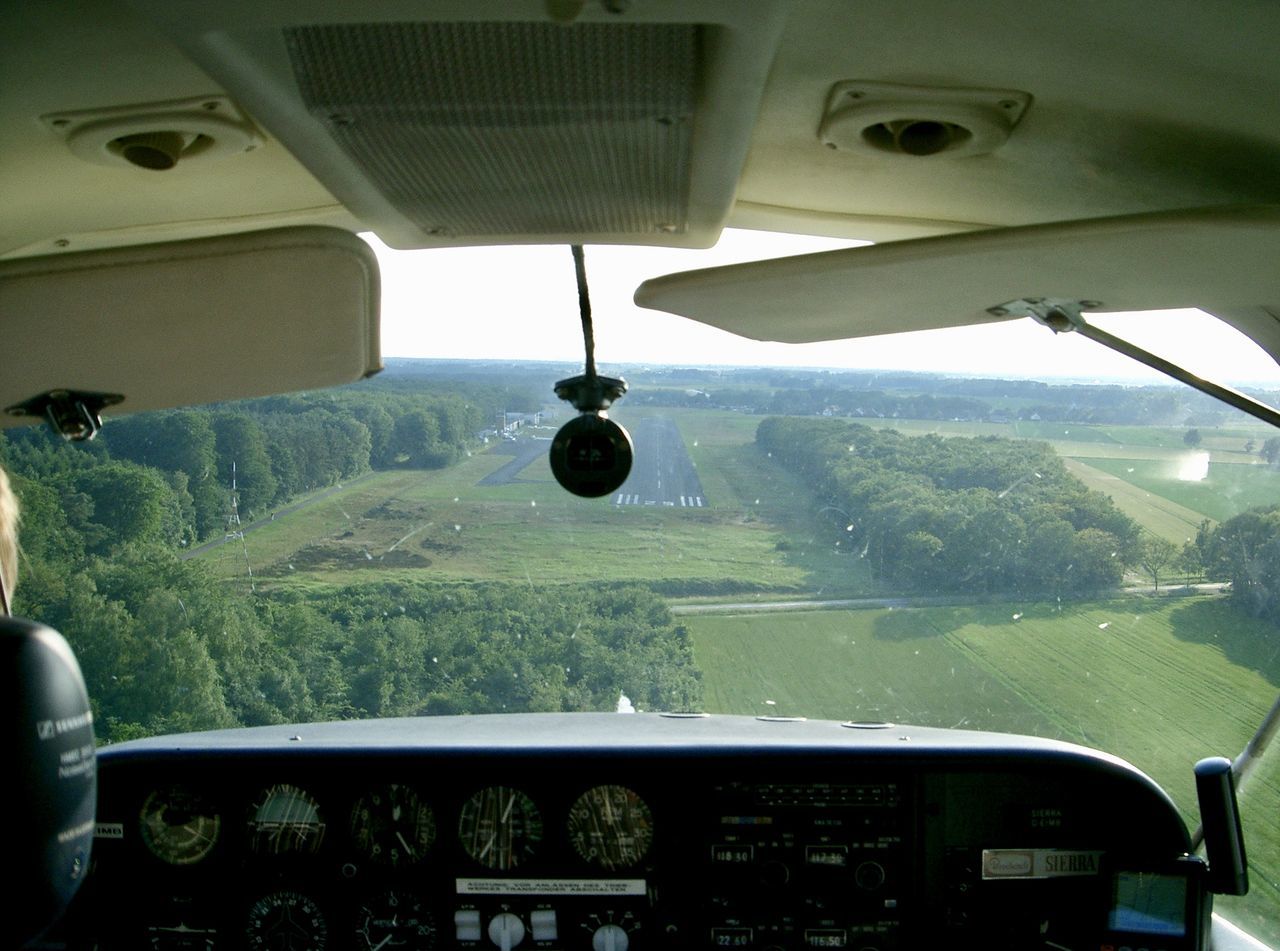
(235, 529)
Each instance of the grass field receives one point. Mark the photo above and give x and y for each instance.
(850, 665)
(1152, 511)
(759, 532)
(1159, 682)
(432, 525)
(1070, 432)
(1228, 489)
(1225, 439)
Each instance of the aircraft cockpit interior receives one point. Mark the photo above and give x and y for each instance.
(611, 475)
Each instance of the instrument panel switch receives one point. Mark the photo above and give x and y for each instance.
(466, 925)
(542, 923)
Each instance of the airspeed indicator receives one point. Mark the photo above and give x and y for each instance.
(500, 827)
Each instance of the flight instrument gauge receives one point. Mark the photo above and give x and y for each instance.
(500, 827)
(611, 826)
(286, 820)
(179, 825)
(286, 921)
(392, 825)
(396, 921)
(181, 937)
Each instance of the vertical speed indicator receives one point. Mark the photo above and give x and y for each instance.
(611, 826)
(500, 827)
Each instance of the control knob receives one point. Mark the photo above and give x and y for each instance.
(870, 876)
(506, 930)
(610, 938)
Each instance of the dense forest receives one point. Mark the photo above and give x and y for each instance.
(976, 515)
(166, 648)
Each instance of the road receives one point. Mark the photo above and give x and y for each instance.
(762, 607)
(662, 473)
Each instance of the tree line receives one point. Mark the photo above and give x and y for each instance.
(971, 515)
(865, 395)
(167, 477)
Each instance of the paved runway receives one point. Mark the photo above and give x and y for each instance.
(662, 473)
(526, 449)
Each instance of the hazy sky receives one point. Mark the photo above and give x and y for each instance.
(521, 303)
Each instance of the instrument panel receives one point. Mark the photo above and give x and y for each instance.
(609, 833)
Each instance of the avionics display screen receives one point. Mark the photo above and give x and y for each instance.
(1149, 903)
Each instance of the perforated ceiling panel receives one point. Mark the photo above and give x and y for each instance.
(474, 129)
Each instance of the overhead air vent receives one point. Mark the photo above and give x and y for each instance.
(156, 136)
(511, 128)
(917, 121)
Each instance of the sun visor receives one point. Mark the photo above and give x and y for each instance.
(1221, 260)
(189, 322)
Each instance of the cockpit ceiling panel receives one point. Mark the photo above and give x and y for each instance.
(490, 123)
(482, 129)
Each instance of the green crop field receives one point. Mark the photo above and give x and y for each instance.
(1225, 438)
(918, 427)
(1227, 490)
(1152, 511)
(1159, 682)
(850, 665)
(1072, 432)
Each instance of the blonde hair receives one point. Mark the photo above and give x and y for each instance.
(8, 534)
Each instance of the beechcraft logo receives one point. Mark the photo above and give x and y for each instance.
(45, 730)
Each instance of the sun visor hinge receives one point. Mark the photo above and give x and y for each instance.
(74, 415)
(1066, 316)
(1059, 315)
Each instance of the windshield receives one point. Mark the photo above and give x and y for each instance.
(992, 529)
